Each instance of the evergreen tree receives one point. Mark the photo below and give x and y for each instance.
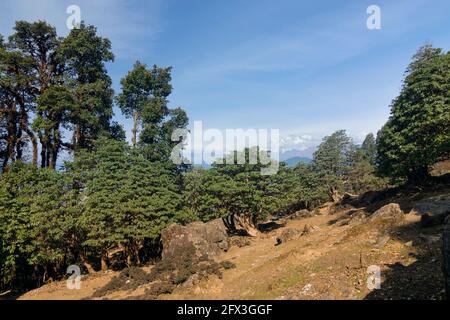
(144, 98)
(128, 199)
(34, 226)
(417, 134)
(84, 55)
(369, 148)
(16, 103)
(38, 43)
(136, 93)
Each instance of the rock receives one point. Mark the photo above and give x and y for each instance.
(382, 241)
(409, 244)
(227, 265)
(239, 241)
(390, 213)
(357, 217)
(302, 214)
(309, 229)
(306, 290)
(352, 217)
(209, 239)
(306, 230)
(289, 234)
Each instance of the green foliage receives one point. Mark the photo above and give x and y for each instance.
(333, 156)
(84, 54)
(341, 165)
(128, 199)
(34, 225)
(114, 196)
(417, 134)
(228, 190)
(61, 83)
(144, 98)
(369, 149)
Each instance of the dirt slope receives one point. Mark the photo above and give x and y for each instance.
(328, 263)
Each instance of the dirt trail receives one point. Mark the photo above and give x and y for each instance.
(329, 263)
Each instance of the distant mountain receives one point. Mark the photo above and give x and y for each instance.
(292, 162)
(292, 153)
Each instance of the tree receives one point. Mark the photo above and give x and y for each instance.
(369, 149)
(54, 107)
(144, 98)
(128, 199)
(35, 226)
(333, 155)
(37, 43)
(332, 161)
(136, 93)
(234, 192)
(417, 134)
(84, 55)
(16, 77)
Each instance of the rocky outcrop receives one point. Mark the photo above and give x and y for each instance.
(302, 214)
(289, 234)
(209, 239)
(390, 213)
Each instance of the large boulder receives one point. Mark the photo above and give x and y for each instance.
(390, 212)
(209, 239)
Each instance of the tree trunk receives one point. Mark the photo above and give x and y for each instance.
(35, 146)
(87, 264)
(247, 225)
(19, 144)
(134, 130)
(335, 196)
(228, 221)
(104, 262)
(43, 153)
(54, 151)
(25, 127)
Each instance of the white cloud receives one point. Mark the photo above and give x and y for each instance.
(120, 21)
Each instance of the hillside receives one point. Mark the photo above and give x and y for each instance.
(292, 162)
(329, 261)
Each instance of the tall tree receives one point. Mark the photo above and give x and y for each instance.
(144, 98)
(54, 107)
(16, 79)
(333, 155)
(35, 226)
(84, 55)
(135, 94)
(332, 162)
(369, 148)
(38, 43)
(417, 134)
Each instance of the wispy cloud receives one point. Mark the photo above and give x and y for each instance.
(124, 23)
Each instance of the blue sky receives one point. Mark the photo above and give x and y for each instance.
(305, 67)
